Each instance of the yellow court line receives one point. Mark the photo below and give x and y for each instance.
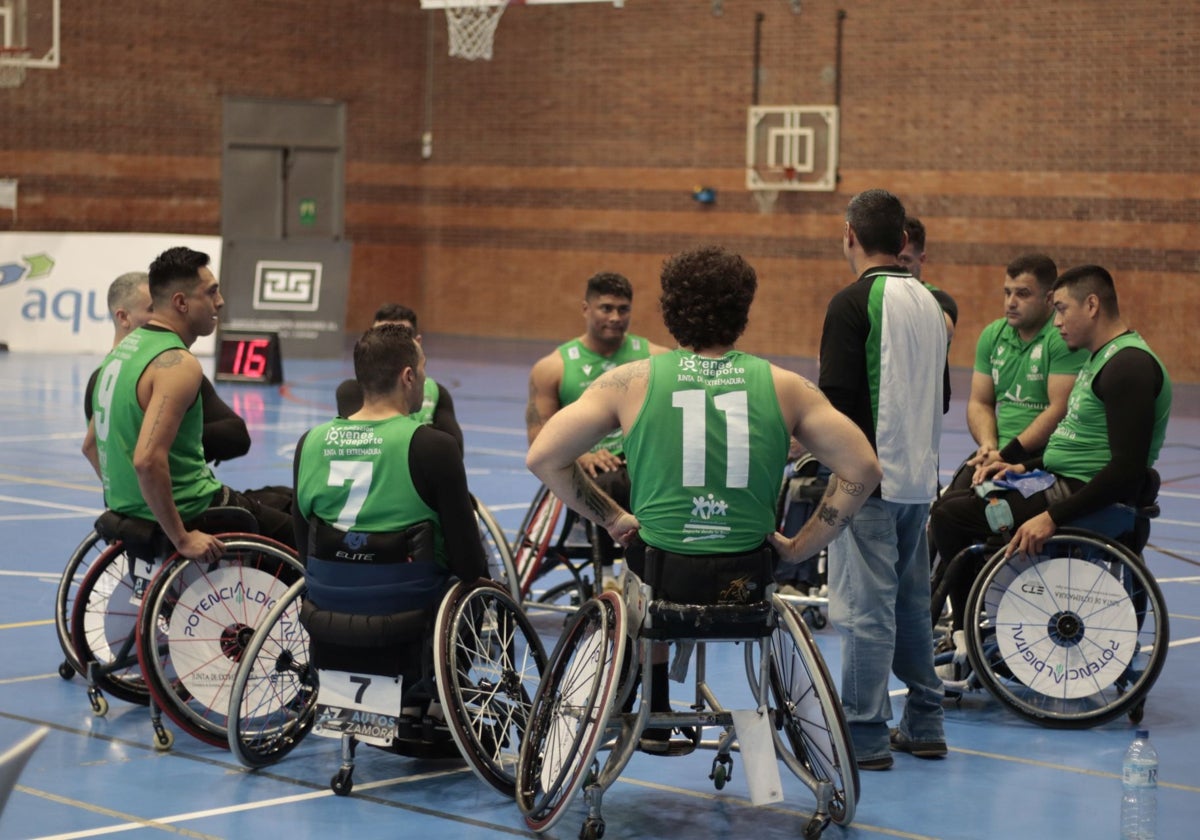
(131, 820)
(47, 482)
(132, 823)
(1033, 762)
(40, 622)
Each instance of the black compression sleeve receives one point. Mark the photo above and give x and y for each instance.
(1127, 385)
(444, 419)
(299, 523)
(225, 435)
(440, 479)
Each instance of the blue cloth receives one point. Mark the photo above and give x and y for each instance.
(1034, 481)
(879, 603)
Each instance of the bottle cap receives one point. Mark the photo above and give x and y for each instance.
(1142, 733)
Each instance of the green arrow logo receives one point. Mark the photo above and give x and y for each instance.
(39, 265)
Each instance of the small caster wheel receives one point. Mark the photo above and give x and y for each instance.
(814, 828)
(719, 777)
(99, 703)
(65, 670)
(342, 783)
(815, 618)
(593, 829)
(1137, 712)
(164, 739)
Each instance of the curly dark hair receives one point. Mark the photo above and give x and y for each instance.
(706, 296)
(396, 312)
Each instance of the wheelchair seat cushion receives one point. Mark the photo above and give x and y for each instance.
(141, 538)
(706, 596)
(389, 645)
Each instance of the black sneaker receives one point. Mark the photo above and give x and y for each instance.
(900, 742)
(883, 762)
(659, 742)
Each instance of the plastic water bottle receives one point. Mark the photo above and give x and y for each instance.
(1139, 789)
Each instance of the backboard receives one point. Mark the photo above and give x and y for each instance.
(792, 148)
(33, 27)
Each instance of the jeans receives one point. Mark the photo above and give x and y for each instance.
(879, 603)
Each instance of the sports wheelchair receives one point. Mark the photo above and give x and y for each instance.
(480, 663)
(1072, 637)
(154, 628)
(552, 536)
(585, 700)
(804, 583)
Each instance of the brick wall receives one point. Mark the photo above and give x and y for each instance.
(1069, 127)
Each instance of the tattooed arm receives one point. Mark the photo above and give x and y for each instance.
(573, 430)
(544, 379)
(168, 388)
(839, 444)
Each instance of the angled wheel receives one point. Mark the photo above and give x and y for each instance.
(274, 697)
(78, 564)
(104, 626)
(534, 537)
(196, 624)
(810, 728)
(496, 547)
(1069, 638)
(488, 661)
(571, 711)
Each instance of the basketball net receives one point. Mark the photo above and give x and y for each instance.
(12, 72)
(472, 28)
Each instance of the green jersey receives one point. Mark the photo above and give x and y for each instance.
(354, 475)
(582, 366)
(1078, 447)
(706, 453)
(1019, 371)
(118, 422)
(424, 415)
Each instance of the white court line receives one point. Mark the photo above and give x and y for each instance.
(29, 517)
(1191, 579)
(495, 430)
(47, 436)
(513, 453)
(9, 573)
(1181, 642)
(37, 503)
(150, 822)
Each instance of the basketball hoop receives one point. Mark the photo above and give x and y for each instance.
(472, 28)
(12, 66)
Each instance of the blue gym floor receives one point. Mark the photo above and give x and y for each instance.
(96, 777)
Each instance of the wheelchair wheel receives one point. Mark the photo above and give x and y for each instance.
(274, 697)
(196, 623)
(78, 564)
(571, 711)
(104, 627)
(1072, 637)
(499, 554)
(489, 661)
(534, 537)
(810, 728)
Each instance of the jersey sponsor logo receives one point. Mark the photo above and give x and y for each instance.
(1036, 353)
(702, 526)
(342, 436)
(572, 352)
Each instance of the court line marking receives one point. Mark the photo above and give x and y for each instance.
(1181, 642)
(1049, 765)
(166, 823)
(737, 800)
(41, 622)
(12, 680)
(55, 505)
(24, 479)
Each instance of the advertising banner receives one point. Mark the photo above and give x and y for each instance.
(54, 286)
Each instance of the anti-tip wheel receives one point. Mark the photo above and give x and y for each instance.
(342, 783)
(99, 704)
(164, 739)
(66, 671)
